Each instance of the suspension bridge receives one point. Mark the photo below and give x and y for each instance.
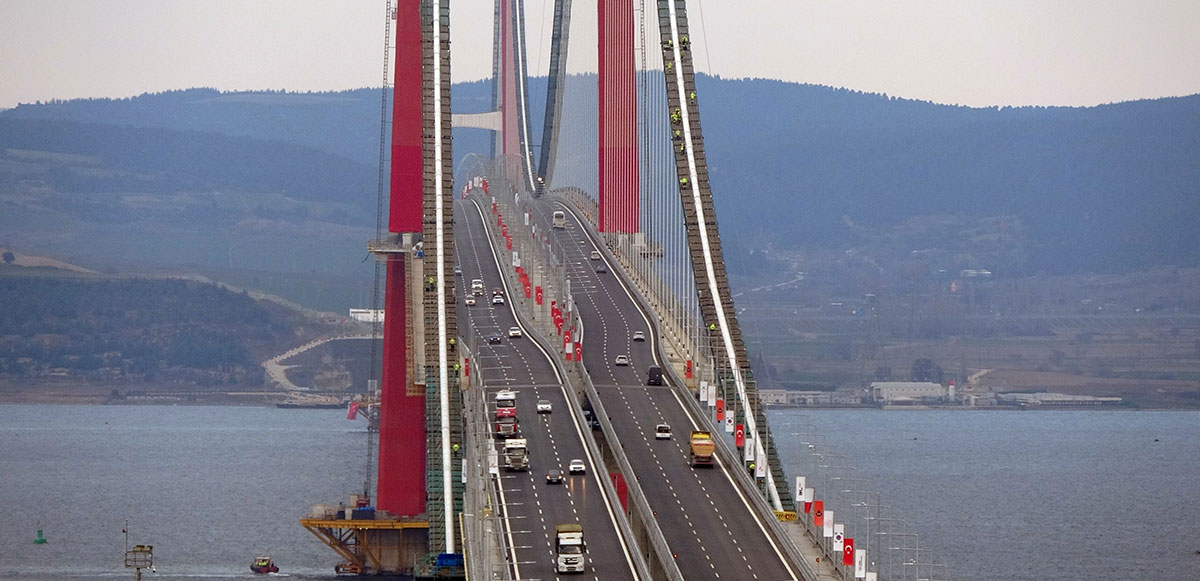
(575, 274)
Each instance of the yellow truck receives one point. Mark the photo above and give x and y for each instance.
(701, 448)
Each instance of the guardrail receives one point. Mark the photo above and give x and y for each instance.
(483, 540)
(725, 450)
(658, 548)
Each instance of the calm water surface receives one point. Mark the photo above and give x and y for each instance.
(997, 495)
(208, 487)
(1023, 495)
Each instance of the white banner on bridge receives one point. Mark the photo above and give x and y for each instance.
(827, 527)
(704, 391)
(526, 218)
(760, 465)
(464, 471)
(808, 495)
(728, 422)
(516, 259)
(839, 537)
(871, 576)
(800, 482)
(749, 455)
(493, 462)
(860, 563)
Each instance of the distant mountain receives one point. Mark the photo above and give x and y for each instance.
(287, 182)
(1112, 187)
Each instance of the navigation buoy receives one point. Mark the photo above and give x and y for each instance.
(40, 540)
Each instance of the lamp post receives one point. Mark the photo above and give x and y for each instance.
(875, 538)
(903, 548)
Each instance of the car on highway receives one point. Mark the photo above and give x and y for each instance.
(544, 406)
(469, 301)
(595, 255)
(591, 420)
(662, 432)
(554, 476)
(498, 300)
(621, 360)
(477, 284)
(457, 269)
(576, 467)
(601, 269)
(639, 335)
(494, 340)
(514, 331)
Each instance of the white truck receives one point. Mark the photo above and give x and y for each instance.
(559, 220)
(569, 549)
(516, 454)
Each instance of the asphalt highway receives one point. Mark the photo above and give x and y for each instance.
(709, 525)
(532, 507)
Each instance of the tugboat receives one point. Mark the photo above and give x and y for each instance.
(263, 565)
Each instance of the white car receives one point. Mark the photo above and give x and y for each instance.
(576, 467)
(543, 406)
(639, 336)
(514, 331)
(476, 284)
(469, 301)
(498, 300)
(662, 432)
(622, 360)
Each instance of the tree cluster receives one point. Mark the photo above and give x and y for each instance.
(128, 330)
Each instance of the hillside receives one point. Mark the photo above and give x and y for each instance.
(252, 183)
(67, 328)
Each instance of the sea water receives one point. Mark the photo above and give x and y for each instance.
(210, 488)
(1011, 495)
(992, 494)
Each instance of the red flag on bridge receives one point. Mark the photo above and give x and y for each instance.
(720, 409)
(352, 413)
(848, 551)
(739, 436)
(818, 513)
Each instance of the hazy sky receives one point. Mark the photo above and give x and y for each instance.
(969, 52)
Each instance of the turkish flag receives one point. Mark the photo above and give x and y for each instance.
(807, 507)
(819, 513)
(739, 436)
(352, 413)
(848, 551)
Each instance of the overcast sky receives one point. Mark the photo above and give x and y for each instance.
(969, 52)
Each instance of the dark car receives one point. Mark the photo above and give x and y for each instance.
(655, 376)
(494, 340)
(554, 477)
(601, 269)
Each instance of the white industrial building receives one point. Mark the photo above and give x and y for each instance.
(787, 397)
(1048, 398)
(910, 392)
(367, 315)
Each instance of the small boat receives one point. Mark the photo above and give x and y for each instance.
(264, 565)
